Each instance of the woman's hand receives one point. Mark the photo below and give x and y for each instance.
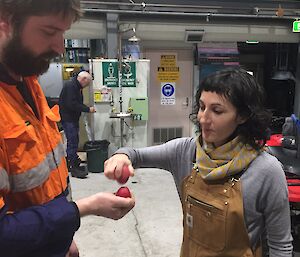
(114, 165)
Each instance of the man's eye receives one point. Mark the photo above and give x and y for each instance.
(49, 32)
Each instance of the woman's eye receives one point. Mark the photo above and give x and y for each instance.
(218, 111)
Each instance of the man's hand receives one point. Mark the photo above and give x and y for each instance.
(114, 165)
(92, 109)
(106, 205)
(73, 250)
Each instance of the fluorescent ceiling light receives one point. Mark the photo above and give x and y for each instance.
(283, 75)
(252, 41)
(134, 38)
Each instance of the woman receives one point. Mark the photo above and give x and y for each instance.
(231, 190)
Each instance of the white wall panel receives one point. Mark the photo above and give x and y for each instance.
(154, 31)
(108, 128)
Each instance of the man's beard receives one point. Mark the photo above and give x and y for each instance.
(22, 60)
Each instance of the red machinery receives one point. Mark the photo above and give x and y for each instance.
(285, 148)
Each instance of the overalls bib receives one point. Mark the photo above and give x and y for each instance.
(213, 219)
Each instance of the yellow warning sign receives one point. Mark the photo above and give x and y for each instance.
(167, 60)
(97, 97)
(167, 76)
(168, 71)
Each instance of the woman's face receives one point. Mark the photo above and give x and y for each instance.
(218, 118)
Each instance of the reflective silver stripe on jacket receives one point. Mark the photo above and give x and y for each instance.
(4, 182)
(38, 175)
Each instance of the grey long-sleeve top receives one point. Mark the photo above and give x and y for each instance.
(265, 194)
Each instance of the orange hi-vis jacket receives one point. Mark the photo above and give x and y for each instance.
(4, 182)
(32, 161)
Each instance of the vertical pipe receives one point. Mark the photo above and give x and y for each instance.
(297, 86)
(112, 34)
(91, 102)
(120, 57)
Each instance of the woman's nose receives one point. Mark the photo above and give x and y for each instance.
(203, 117)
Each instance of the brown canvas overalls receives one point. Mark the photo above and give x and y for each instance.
(213, 219)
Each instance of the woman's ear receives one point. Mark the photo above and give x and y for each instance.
(241, 120)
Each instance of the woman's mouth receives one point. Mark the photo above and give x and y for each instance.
(207, 131)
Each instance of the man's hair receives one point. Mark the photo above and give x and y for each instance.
(85, 74)
(17, 11)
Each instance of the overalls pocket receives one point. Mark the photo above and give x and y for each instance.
(206, 221)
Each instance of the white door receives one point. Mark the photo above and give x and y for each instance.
(170, 92)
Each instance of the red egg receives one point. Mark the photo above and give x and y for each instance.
(123, 192)
(124, 176)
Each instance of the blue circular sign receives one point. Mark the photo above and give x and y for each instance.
(168, 90)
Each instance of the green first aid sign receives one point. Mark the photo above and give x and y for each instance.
(110, 74)
(296, 26)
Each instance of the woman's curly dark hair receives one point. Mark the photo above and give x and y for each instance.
(247, 96)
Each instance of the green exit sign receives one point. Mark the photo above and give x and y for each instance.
(296, 26)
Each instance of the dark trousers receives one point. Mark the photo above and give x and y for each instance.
(71, 130)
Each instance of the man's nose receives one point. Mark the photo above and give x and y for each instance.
(58, 44)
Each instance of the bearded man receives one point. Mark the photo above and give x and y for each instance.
(37, 217)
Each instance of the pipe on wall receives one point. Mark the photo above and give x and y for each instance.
(183, 6)
(190, 14)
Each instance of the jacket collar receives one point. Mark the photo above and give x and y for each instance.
(76, 82)
(5, 77)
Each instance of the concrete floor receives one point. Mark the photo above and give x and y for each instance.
(152, 229)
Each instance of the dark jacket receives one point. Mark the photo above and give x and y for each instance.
(37, 231)
(71, 101)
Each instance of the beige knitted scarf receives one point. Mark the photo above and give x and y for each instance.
(223, 161)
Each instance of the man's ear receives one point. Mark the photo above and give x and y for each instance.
(4, 27)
